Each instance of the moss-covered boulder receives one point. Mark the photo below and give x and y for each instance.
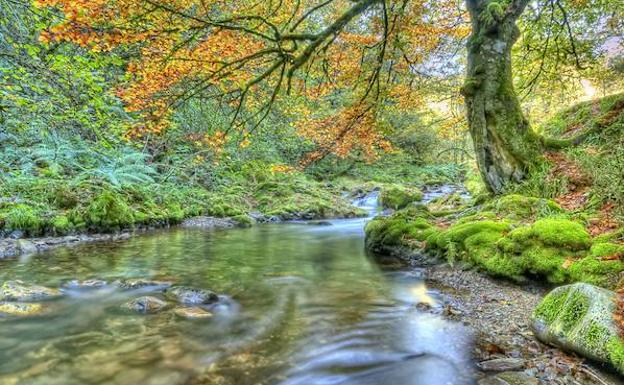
(603, 265)
(554, 232)
(405, 228)
(399, 197)
(579, 318)
(554, 249)
(520, 207)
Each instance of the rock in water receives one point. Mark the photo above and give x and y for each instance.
(192, 312)
(20, 309)
(579, 318)
(191, 296)
(87, 284)
(21, 292)
(26, 247)
(134, 284)
(509, 378)
(146, 305)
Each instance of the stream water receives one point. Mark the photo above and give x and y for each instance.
(307, 306)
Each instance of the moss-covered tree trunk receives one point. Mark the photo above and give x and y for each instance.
(505, 145)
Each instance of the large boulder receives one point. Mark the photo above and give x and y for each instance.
(22, 292)
(579, 318)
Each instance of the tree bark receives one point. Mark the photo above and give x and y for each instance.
(505, 145)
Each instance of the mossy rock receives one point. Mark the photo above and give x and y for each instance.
(460, 232)
(602, 267)
(518, 207)
(579, 318)
(554, 232)
(398, 198)
(403, 228)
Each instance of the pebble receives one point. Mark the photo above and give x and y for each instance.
(502, 364)
(509, 378)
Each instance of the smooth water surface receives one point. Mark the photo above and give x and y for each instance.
(309, 307)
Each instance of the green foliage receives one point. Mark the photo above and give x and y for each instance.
(60, 225)
(22, 217)
(109, 211)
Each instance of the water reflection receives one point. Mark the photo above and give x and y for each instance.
(312, 309)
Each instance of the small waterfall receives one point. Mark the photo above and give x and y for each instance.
(368, 202)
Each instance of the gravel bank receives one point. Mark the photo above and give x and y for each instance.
(499, 313)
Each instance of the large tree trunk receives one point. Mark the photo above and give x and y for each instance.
(504, 143)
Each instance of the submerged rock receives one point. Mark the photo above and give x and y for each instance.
(319, 223)
(21, 292)
(579, 318)
(191, 296)
(86, 284)
(210, 223)
(20, 309)
(146, 305)
(134, 284)
(510, 378)
(192, 312)
(26, 247)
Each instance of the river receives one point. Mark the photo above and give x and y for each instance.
(303, 304)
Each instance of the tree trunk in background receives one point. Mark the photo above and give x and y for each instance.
(504, 143)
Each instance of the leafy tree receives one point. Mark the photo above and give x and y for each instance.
(350, 61)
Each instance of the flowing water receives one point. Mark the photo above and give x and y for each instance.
(306, 306)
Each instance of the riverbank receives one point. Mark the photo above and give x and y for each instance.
(498, 311)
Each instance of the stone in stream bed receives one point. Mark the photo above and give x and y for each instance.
(509, 378)
(22, 292)
(192, 312)
(20, 309)
(191, 296)
(579, 318)
(146, 305)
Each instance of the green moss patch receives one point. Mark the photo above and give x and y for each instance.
(520, 207)
(399, 197)
(560, 233)
(403, 228)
